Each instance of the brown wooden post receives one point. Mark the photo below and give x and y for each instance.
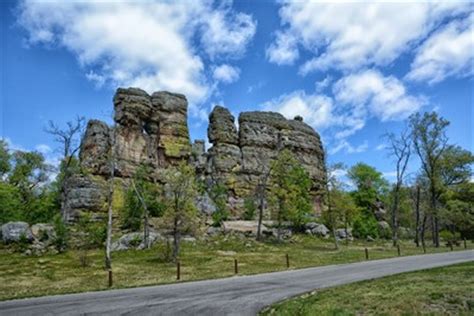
(236, 266)
(366, 254)
(451, 245)
(465, 244)
(424, 247)
(287, 261)
(178, 270)
(398, 250)
(110, 278)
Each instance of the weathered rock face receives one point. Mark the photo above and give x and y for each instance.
(15, 231)
(239, 158)
(150, 130)
(153, 130)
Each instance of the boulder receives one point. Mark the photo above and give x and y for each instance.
(43, 232)
(320, 230)
(341, 233)
(134, 241)
(15, 231)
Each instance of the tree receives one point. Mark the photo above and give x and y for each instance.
(261, 197)
(289, 191)
(218, 194)
(430, 141)
(111, 161)
(180, 193)
(69, 139)
(5, 156)
(370, 185)
(400, 149)
(344, 208)
(332, 184)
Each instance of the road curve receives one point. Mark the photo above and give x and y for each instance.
(241, 295)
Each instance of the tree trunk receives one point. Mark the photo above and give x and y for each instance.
(260, 218)
(394, 216)
(108, 259)
(332, 219)
(422, 233)
(176, 239)
(417, 214)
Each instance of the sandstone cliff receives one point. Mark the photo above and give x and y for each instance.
(153, 129)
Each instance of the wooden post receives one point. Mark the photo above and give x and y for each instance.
(236, 266)
(451, 245)
(110, 278)
(398, 250)
(424, 247)
(465, 244)
(366, 254)
(287, 261)
(178, 270)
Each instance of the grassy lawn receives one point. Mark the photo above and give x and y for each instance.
(22, 276)
(440, 291)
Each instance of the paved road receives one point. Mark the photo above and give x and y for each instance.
(244, 295)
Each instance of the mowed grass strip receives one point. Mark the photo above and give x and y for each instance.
(22, 276)
(440, 291)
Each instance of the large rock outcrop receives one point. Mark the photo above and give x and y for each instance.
(238, 158)
(153, 130)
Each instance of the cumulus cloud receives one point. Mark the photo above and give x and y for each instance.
(448, 52)
(150, 44)
(315, 109)
(355, 98)
(384, 97)
(349, 36)
(43, 148)
(226, 73)
(284, 50)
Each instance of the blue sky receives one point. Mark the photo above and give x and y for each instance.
(353, 71)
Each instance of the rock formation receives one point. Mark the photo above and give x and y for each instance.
(153, 130)
(239, 158)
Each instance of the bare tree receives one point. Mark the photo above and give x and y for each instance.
(430, 142)
(400, 149)
(331, 183)
(69, 139)
(261, 195)
(145, 215)
(108, 243)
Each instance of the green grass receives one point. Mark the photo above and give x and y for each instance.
(440, 291)
(22, 276)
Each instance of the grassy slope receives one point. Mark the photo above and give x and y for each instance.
(22, 276)
(440, 291)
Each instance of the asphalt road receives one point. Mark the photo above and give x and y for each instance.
(240, 295)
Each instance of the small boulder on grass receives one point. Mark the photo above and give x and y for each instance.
(13, 232)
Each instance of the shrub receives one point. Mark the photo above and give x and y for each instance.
(62, 233)
(364, 226)
(250, 208)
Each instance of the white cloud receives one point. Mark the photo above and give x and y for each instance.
(381, 146)
(353, 35)
(226, 73)
(323, 84)
(316, 110)
(43, 148)
(448, 52)
(384, 97)
(284, 50)
(148, 44)
(348, 148)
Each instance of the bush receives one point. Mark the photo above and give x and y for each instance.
(62, 233)
(364, 226)
(218, 195)
(250, 208)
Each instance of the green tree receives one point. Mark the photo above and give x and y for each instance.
(180, 193)
(369, 183)
(10, 201)
(430, 141)
(218, 195)
(5, 156)
(344, 208)
(289, 191)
